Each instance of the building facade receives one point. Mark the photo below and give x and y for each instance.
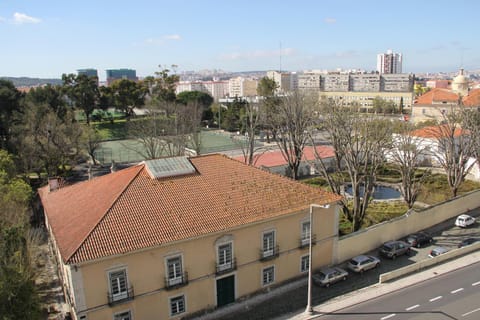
(118, 74)
(173, 237)
(389, 62)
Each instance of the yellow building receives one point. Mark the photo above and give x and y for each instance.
(171, 237)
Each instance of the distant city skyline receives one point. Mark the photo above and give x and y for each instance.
(48, 38)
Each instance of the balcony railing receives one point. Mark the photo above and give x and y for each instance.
(172, 283)
(304, 242)
(271, 253)
(226, 267)
(121, 296)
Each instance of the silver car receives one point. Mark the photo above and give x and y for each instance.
(328, 276)
(363, 263)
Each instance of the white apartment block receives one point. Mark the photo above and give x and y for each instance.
(242, 87)
(217, 89)
(389, 62)
(286, 81)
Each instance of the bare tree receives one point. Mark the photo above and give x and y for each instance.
(455, 147)
(359, 143)
(91, 141)
(406, 155)
(292, 124)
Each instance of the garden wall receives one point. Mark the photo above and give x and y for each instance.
(371, 238)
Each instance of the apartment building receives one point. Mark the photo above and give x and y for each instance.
(389, 62)
(217, 89)
(168, 238)
(242, 87)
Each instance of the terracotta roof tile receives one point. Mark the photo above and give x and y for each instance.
(438, 95)
(434, 132)
(128, 210)
(472, 99)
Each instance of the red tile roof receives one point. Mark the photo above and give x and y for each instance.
(438, 95)
(434, 132)
(128, 210)
(473, 98)
(275, 158)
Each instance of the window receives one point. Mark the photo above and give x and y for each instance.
(305, 232)
(174, 269)
(225, 256)
(304, 263)
(177, 305)
(268, 275)
(269, 244)
(118, 285)
(123, 316)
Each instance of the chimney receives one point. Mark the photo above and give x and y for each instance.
(54, 183)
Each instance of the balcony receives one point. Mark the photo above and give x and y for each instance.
(304, 242)
(267, 254)
(120, 297)
(180, 281)
(226, 267)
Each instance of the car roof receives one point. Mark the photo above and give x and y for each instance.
(361, 257)
(440, 249)
(464, 216)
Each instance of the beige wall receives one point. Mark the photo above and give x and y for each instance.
(146, 270)
(371, 238)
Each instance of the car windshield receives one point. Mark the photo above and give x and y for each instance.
(322, 275)
(387, 248)
(353, 262)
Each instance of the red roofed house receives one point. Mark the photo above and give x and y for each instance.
(171, 237)
(273, 161)
(434, 104)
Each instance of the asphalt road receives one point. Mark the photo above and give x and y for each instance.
(455, 295)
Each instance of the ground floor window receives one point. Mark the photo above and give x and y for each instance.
(268, 275)
(304, 263)
(177, 305)
(126, 315)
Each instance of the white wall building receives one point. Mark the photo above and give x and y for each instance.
(389, 62)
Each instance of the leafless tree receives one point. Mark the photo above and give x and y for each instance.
(406, 154)
(292, 123)
(359, 143)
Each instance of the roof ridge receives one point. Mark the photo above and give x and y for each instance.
(141, 166)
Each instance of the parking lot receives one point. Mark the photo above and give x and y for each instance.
(445, 234)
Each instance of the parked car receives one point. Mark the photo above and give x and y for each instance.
(467, 242)
(419, 239)
(328, 276)
(363, 263)
(393, 249)
(464, 220)
(437, 251)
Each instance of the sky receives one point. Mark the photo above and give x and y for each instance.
(42, 38)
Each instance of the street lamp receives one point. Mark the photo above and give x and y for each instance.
(309, 309)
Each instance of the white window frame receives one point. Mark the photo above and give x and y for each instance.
(176, 276)
(304, 261)
(120, 295)
(268, 243)
(180, 297)
(223, 261)
(270, 275)
(305, 232)
(118, 314)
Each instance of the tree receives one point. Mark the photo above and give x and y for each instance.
(292, 123)
(164, 84)
(91, 141)
(10, 99)
(268, 106)
(359, 143)
(83, 92)
(455, 147)
(128, 95)
(250, 117)
(48, 95)
(406, 155)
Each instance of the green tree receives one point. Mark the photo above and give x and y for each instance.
(268, 106)
(83, 92)
(128, 95)
(10, 102)
(163, 85)
(48, 95)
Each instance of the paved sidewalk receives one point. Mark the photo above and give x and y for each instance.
(377, 290)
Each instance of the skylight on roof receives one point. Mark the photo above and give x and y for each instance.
(169, 167)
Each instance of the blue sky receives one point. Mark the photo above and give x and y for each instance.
(48, 38)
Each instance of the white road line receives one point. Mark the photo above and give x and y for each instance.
(458, 290)
(470, 312)
(412, 307)
(389, 316)
(476, 283)
(436, 298)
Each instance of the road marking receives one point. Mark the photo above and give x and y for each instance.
(476, 283)
(458, 290)
(389, 316)
(470, 312)
(412, 307)
(436, 298)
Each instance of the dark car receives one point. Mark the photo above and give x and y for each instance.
(393, 249)
(327, 276)
(419, 239)
(467, 242)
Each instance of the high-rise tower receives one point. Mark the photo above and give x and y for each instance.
(389, 62)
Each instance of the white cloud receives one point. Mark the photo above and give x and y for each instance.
(172, 37)
(163, 39)
(330, 20)
(22, 18)
(258, 54)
